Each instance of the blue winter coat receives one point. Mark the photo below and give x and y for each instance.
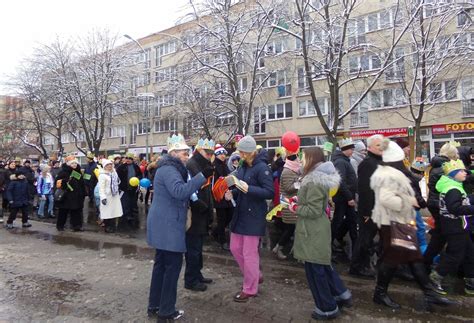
(251, 209)
(166, 222)
(18, 192)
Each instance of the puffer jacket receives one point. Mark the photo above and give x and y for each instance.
(289, 184)
(348, 186)
(393, 196)
(18, 191)
(249, 214)
(435, 174)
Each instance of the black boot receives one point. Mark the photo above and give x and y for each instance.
(418, 270)
(384, 276)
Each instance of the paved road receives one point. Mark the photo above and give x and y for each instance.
(47, 276)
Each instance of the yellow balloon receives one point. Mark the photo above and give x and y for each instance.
(134, 181)
(96, 172)
(333, 191)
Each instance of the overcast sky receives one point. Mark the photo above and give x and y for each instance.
(26, 23)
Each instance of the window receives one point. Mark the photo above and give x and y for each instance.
(65, 138)
(166, 99)
(242, 84)
(166, 74)
(396, 69)
(277, 46)
(464, 18)
(226, 119)
(309, 141)
(306, 108)
(48, 140)
(356, 32)
(440, 91)
(143, 128)
(144, 106)
(144, 57)
(364, 63)
(117, 131)
(279, 111)
(259, 119)
(360, 114)
(164, 125)
(164, 49)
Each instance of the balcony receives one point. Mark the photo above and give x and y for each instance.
(468, 108)
(359, 120)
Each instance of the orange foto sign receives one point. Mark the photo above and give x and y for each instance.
(453, 127)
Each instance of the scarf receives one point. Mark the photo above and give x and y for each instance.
(114, 183)
(293, 165)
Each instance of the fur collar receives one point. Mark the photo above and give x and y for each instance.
(168, 160)
(325, 175)
(389, 176)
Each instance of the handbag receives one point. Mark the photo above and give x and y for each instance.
(59, 195)
(403, 235)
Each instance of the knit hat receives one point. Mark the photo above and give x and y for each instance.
(392, 152)
(360, 146)
(402, 142)
(346, 144)
(219, 150)
(106, 162)
(247, 145)
(69, 160)
(452, 167)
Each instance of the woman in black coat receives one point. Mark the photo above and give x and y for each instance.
(71, 180)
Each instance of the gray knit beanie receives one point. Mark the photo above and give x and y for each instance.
(247, 145)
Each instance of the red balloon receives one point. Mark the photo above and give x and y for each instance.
(142, 169)
(291, 141)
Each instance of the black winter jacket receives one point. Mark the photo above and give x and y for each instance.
(455, 203)
(348, 186)
(435, 174)
(17, 191)
(221, 170)
(75, 191)
(202, 210)
(122, 173)
(366, 169)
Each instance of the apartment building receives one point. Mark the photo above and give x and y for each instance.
(284, 102)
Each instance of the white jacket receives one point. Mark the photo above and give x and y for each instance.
(393, 196)
(113, 208)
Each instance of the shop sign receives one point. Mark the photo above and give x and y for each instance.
(389, 133)
(452, 128)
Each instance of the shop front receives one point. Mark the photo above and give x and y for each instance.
(463, 133)
(388, 133)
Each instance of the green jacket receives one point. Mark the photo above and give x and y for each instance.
(313, 228)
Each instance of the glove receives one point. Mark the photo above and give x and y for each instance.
(104, 202)
(208, 171)
(294, 199)
(293, 207)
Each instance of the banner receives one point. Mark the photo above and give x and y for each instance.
(393, 132)
(452, 127)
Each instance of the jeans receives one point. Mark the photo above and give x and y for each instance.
(326, 286)
(420, 232)
(164, 282)
(245, 251)
(50, 199)
(193, 256)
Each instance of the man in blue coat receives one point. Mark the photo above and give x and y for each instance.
(166, 225)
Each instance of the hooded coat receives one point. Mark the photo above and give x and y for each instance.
(166, 221)
(348, 186)
(18, 191)
(465, 155)
(202, 210)
(249, 214)
(313, 227)
(435, 174)
(75, 191)
(113, 208)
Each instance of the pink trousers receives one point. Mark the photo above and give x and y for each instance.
(245, 251)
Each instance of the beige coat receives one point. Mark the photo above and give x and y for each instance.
(393, 197)
(113, 208)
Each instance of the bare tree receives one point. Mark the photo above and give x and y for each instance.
(337, 55)
(438, 59)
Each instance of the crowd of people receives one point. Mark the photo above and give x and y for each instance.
(364, 200)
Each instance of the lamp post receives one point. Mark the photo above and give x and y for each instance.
(144, 95)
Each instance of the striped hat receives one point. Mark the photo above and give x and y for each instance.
(219, 150)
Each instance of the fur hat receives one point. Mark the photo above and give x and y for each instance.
(219, 150)
(346, 143)
(392, 152)
(247, 144)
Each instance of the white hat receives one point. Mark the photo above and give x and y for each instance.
(106, 162)
(177, 142)
(346, 143)
(392, 152)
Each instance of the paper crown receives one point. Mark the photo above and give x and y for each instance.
(345, 142)
(419, 164)
(453, 165)
(207, 144)
(177, 142)
(455, 144)
(90, 155)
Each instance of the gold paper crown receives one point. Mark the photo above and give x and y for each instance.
(455, 144)
(452, 165)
